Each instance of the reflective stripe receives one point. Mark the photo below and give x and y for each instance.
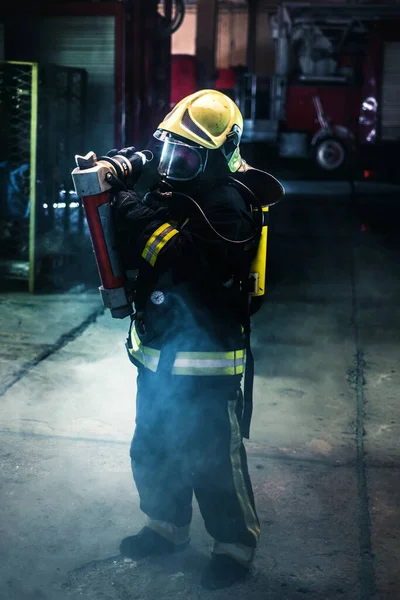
(209, 363)
(249, 515)
(153, 238)
(207, 371)
(145, 349)
(199, 363)
(148, 357)
(212, 355)
(176, 535)
(189, 363)
(157, 241)
(240, 552)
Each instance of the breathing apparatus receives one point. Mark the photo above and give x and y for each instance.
(209, 121)
(260, 211)
(266, 191)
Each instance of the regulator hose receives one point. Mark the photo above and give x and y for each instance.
(211, 226)
(169, 27)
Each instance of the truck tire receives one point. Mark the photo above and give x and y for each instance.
(330, 155)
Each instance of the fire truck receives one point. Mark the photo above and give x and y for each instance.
(335, 95)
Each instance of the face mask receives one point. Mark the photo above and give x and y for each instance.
(180, 161)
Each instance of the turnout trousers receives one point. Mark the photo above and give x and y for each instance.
(187, 440)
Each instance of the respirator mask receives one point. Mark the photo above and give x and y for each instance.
(180, 161)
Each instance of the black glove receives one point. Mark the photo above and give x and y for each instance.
(129, 212)
(128, 182)
(125, 197)
(127, 152)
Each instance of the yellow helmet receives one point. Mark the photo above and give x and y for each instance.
(211, 120)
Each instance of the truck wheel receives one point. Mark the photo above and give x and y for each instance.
(330, 154)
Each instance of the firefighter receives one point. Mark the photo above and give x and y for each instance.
(192, 241)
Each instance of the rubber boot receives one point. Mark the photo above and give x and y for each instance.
(222, 572)
(148, 543)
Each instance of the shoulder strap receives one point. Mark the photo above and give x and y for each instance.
(251, 200)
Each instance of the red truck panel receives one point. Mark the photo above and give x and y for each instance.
(226, 79)
(183, 76)
(341, 104)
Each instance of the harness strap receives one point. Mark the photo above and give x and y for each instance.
(248, 385)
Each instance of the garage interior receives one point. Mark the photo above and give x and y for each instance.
(318, 85)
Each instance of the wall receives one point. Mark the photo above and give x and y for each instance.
(232, 37)
(184, 40)
(85, 42)
(265, 56)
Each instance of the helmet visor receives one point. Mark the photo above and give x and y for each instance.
(181, 162)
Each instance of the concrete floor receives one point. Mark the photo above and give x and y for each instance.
(323, 455)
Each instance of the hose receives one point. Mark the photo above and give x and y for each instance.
(204, 216)
(180, 10)
(169, 27)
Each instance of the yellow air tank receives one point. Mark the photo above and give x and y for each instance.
(259, 264)
(268, 191)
